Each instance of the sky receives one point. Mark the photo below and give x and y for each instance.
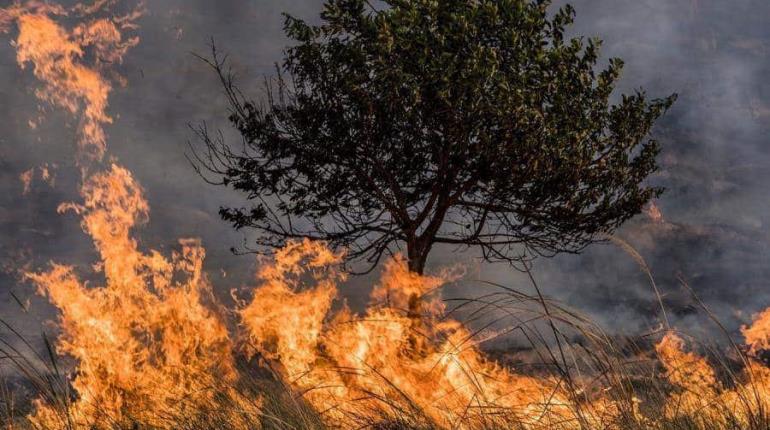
(715, 163)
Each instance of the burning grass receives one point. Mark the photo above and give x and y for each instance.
(151, 349)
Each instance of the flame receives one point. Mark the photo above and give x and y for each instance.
(59, 60)
(26, 180)
(45, 172)
(369, 366)
(654, 213)
(694, 379)
(702, 398)
(147, 348)
(758, 334)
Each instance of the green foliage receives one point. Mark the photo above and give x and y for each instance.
(465, 122)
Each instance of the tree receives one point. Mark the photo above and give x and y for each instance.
(473, 123)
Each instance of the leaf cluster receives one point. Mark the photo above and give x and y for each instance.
(465, 122)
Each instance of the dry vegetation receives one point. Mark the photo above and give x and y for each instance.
(151, 349)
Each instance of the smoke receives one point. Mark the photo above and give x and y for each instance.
(714, 54)
(714, 234)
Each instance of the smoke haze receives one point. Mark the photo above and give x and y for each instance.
(715, 164)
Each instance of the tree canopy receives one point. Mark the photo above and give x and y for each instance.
(473, 123)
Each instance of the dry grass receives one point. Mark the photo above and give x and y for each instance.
(559, 343)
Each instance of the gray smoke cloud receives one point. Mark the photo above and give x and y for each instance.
(715, 165)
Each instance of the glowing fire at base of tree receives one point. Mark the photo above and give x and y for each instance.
(148, 350)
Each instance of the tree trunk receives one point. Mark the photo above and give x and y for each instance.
(417, 254)
(416, 260)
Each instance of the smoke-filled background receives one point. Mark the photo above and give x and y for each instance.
(712, 229)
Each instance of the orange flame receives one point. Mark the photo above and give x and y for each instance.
(45, 172)
(58, 59)
(653, 213)
(368, 367)
(26, 180)
(693, 377)
(758, 334)
(147, 348)
(698, 394)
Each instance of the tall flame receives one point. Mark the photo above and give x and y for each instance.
(148, 351)
(147, 348)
